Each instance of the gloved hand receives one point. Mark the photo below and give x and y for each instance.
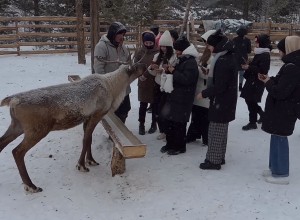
(163, 79)
(168, 86)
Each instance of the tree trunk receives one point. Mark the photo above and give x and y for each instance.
(36, 9)
(246, 9)
(94, 10)
(80, 33)
(186, 16)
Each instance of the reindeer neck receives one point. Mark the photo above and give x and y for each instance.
(119, 80)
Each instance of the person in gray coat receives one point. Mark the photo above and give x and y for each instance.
(110, 47)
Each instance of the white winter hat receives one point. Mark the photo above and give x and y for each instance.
(207, 34)
(166, 39)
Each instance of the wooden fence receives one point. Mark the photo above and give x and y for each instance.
(43, 35)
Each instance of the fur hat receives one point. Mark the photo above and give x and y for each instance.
(148, 36)
(281, 45)
(215, 38)
(242, 31)
(166, 39)
(207, 34)
(181, 43)
(263, 41)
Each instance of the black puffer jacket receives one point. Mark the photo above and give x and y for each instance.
(284, 91)
(254, 88)
(242, 46)
(223, 91)
(179, 103)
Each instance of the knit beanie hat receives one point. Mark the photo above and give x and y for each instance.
(166, 39)
(215, 38)
(263, 41)
(281, 45)
(148, 36)
(242, 31)
(181, 43)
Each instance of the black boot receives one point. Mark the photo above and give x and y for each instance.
(142, 129)
(153, 128)
(259, 121)
(249, 126)
(207, 165)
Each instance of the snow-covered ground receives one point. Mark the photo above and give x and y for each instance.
(157, 187)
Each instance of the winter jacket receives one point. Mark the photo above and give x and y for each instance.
(106, 50)
(254, 88)
(202, 85)
(242, 46)
(283, 94)
(146, 87)
(179, 102)
(223, 91)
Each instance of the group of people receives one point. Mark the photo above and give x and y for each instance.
(181, 85)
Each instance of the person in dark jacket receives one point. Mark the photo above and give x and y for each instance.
(146, 83)
(222, 92)
(178, 106)
(280, 109)
(110, 47)
(242, 47)
(253, 89)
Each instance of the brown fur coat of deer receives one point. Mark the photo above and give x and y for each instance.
(37, 112)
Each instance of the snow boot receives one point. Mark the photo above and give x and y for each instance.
(249, 126)
(142, 129)
(153, 128)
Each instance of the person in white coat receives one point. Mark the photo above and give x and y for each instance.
(158, 68)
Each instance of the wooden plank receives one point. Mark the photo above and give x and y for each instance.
(38, 34)
(47, 26)
(47, 43)
(49, 51)
(129, 146)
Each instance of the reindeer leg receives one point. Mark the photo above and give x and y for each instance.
(13, 131)
(19, 152)
(86, 153)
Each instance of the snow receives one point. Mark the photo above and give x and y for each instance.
(155, 187)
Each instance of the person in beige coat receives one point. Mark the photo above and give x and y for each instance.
(198, 127)
(146, 83)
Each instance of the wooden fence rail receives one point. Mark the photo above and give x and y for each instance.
(42, 35)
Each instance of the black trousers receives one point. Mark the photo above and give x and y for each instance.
(160, 100)
(199, 124)
(175, 135)
(143, 112)
(254, 109)
(124, 108)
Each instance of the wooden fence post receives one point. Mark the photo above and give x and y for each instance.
(94, 24)
(80, 33)
(17, 38)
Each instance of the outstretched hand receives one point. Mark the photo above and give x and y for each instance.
(263, 78)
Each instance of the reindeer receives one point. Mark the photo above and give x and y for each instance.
(37, 112)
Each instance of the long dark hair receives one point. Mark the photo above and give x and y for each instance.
(164, 57)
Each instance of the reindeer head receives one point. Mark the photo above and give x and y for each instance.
(134, 70)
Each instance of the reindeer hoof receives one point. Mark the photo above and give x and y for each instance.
(82, 168)
(32, 189)
(91, 162)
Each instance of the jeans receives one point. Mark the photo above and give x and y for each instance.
(279, 156)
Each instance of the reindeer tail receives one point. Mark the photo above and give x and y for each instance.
(6, 101)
